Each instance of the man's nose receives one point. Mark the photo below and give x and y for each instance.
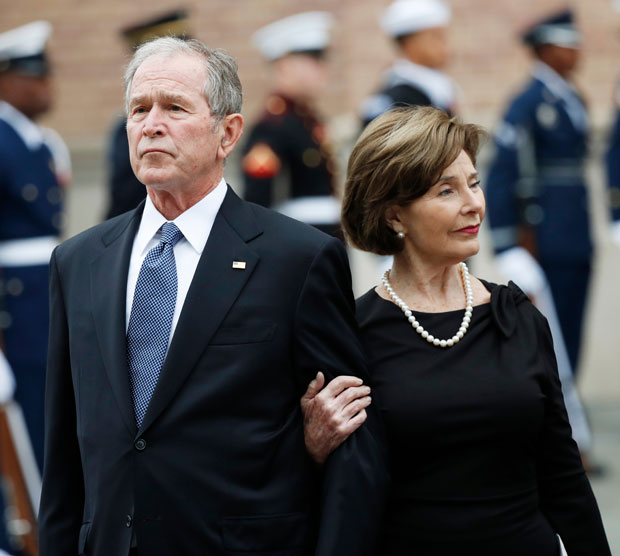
(154, 123)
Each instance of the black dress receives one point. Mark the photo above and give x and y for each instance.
(482, 458)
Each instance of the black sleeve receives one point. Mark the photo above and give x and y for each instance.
(355, 475)
(62, 496)
(566, 497)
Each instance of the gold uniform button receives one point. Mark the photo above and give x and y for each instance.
(311, 158)
(14, 287)
(276, 105)
(54, 195)
(57, 220)
(5, 320)
(30, 192)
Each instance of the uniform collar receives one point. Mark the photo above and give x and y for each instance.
(437, 85)
(195, 223)
(28, 131)
(559, 86)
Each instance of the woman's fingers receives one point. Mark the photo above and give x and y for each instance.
(314, 387)
(352, 425)
(356, 406)
(340, 383)
(351, 394)
(332, 413)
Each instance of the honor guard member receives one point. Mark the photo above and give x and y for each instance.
(537, 201)
(34, 165)
(125, 191)
(419, 29)
(287, 163)
(612, 165)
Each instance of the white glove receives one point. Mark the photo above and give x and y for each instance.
(518, 265)
(7, 384)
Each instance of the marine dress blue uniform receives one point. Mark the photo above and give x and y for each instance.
(408, 82)
(536, 182)
(30, 217)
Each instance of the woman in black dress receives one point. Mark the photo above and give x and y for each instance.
(463, 371)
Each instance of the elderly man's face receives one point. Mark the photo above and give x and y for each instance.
(173, 140)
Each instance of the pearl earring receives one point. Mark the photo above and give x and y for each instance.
(401, 235)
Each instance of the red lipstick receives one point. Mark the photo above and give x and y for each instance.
(469, 229)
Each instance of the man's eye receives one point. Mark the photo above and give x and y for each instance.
(138, 110)
(475, 184)
(175, 108)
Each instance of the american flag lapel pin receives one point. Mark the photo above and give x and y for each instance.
(240, 265)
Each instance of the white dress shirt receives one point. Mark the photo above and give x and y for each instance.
(195, 224)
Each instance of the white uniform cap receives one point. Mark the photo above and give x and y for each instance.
(404, 17)
(298, 33)
(24, 41)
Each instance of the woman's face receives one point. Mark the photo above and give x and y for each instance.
(441, 227)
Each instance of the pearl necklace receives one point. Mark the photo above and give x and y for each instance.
(469, 299)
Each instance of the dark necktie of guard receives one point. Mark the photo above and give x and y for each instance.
(150, 320)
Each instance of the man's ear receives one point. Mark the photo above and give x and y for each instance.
(231, 129)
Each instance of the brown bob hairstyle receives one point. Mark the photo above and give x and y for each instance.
(396, 160)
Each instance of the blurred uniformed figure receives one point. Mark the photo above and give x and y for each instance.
(537, 203)
(125, 191)
(419, 29)
(287, 163)
(34, 167)
(612, 163)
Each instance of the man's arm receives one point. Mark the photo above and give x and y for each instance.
(355, 475)
(62, 497)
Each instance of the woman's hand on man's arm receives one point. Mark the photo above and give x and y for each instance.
(332, 413)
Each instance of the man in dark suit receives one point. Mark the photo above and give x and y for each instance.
(183, 335)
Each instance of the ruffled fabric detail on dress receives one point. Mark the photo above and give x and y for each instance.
(504, 302)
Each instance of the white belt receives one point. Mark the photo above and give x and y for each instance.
(312, 210)
(27, 252)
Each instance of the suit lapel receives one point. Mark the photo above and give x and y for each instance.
(215, 287)
(108, 275)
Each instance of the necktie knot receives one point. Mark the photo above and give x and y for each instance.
(170, 233)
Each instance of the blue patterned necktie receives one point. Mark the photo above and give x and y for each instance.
(150, 321)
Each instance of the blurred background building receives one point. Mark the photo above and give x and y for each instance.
(487, 61)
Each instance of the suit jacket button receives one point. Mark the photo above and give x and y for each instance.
(140, 444)
(128, 521)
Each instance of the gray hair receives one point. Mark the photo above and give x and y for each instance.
(222, 87)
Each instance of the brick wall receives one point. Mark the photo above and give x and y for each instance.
(487, 60)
